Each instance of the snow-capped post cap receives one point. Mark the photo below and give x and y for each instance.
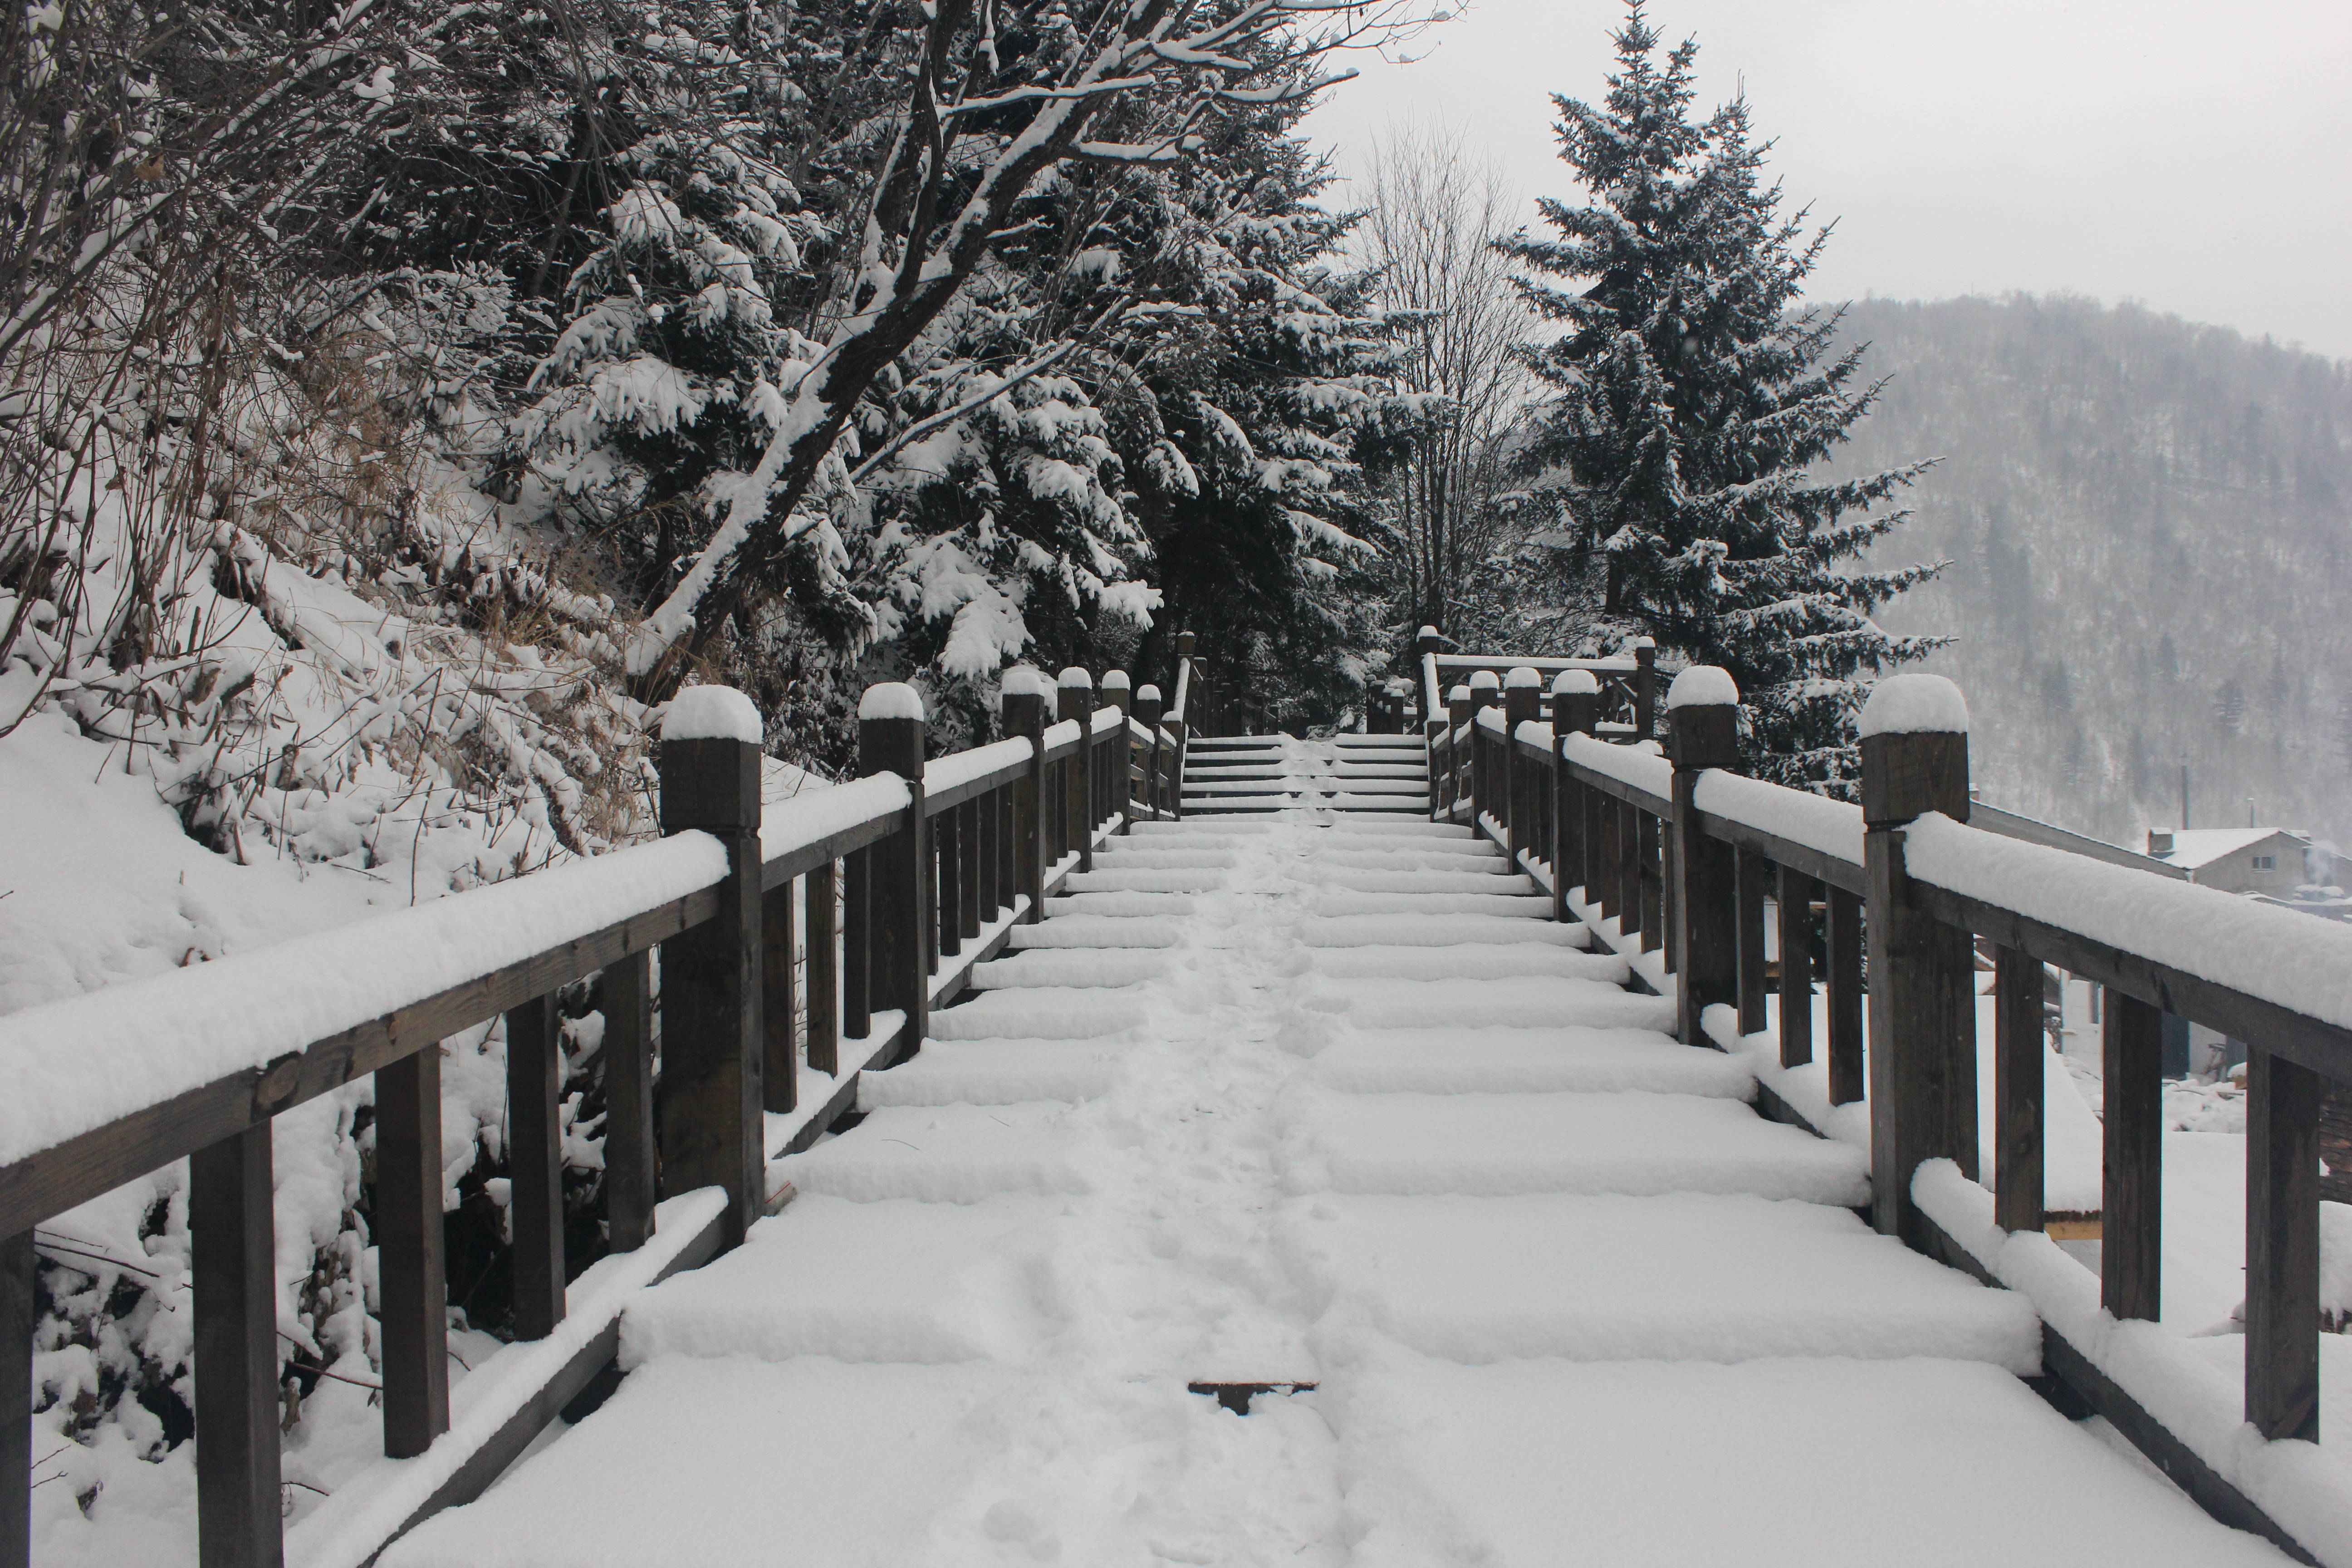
(1483, 680)
(1076, 677)
(1021, 681)
(1703, 686)
(1429, 631)
(1459, 694)
(891, 700)
(1114, 680)
(1641, 642)
(1523, 675)
(1147, 694)
(1915, 705)
(1574, 683)
(711, 713)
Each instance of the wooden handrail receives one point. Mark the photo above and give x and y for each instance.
(1579, 827)
(919, 874)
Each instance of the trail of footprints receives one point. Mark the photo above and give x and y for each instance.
(1321, 1099)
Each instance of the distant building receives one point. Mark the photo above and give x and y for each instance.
(2268, 861)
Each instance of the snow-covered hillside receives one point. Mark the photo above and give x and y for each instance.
(2150, 523)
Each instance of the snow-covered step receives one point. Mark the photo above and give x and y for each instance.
(888, 1281)
(1098, 931)
(1109, 877)
(1713, 1277)
(1225, 835)
(1484, 961)
(1428, 929)
(994, 1072)
(1070, 966)
(1534, 907)
(1432, 859)
(1496, 880)
(1212, 855)
(1834, 1462)
(1562, 1059)
(1398, 804)
(1258, 785)
(1520, 1002)
(1369, 783)
(683, 1466)
(947, 1154)
(1042, 1012)
(1413, 830)
(1243, 803)
(1117, 904)
(1492, 1145)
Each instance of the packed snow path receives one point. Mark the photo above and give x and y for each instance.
(1321, 1103)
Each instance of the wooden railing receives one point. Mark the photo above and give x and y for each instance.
(906, 877)
(1676, 855)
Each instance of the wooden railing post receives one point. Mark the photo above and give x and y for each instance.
(1703, 713)
(713, 1041)
(235, 1263)
(780, 1073)
(1074, 700)
(1923, 1105)
(1796, 932)
(2131, 1121)
(1118, 757)
(2282, 1245)
(1755, 875)
(631, 1162)
(1486, 691)
(1522, 704)
(1459, 707)
(412, 1280)
(1843, 985)
(890, 740)
(1025, 715)
(1646, 689)
(1148, 708)
(17, 1281)
(2017, 1053)
(1575, 710)
(535, 1167)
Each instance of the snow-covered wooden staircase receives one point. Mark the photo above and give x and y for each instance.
(1253, 773)
(1323, 1115)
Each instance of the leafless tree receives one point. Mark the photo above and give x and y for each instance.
(1435, 210)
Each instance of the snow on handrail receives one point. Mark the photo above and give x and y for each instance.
(1639, 765)
(947, 773)
(1062, 734)
(75, 1065)
(1831, 826)
(1489, 718)
(1106, 720)
(1460, 661)
(2276, 955)
(1433, 694)
(1183, 688)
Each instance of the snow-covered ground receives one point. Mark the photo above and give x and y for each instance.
(1278, 1145)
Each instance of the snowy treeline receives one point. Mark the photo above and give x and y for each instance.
(2150, 529)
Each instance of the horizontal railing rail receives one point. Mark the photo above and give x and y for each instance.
(819, 930)
(1674, 859)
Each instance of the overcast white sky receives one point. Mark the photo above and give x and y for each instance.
(2193, 154)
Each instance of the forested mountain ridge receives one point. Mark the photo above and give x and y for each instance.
(2149, 529)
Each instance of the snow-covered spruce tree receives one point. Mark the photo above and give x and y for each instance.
(1691, 394)
(1251, 427)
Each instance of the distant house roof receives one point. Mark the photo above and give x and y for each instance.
(2194, 846)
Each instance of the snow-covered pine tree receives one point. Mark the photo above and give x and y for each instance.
(1691, 394)
(1259, 419)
